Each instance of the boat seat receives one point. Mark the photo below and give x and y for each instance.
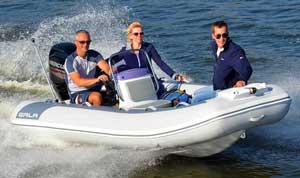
(137, 90)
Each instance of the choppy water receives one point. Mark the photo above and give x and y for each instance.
(180, 30)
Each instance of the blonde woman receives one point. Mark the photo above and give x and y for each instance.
(135, 36)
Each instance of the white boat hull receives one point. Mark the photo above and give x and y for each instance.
(198, 130)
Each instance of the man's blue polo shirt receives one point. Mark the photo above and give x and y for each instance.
(85, 67)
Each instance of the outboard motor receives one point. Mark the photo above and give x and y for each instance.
(57, 57)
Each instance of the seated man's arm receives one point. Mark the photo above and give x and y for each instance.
(72, 72)
(85, 82)
(103, 65)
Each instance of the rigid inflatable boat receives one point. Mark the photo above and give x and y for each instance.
(208, 124)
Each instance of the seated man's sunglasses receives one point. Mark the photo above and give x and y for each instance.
(83, 42)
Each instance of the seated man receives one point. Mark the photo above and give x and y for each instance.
(80, 67)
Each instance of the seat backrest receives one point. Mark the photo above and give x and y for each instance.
(136, 85)
(139, 93)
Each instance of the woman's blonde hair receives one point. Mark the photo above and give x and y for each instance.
(131, 27)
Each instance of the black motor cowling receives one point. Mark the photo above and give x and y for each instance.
(57, 57)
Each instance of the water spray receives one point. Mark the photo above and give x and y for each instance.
(44, 70)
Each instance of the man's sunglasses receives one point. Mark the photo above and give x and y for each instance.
(83, 42)
(224, 35)
(136, 34)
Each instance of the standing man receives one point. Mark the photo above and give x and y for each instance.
(232, 68)
(80, 67)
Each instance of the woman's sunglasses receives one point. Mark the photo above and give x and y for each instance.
(224, 35)
(136, 34)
